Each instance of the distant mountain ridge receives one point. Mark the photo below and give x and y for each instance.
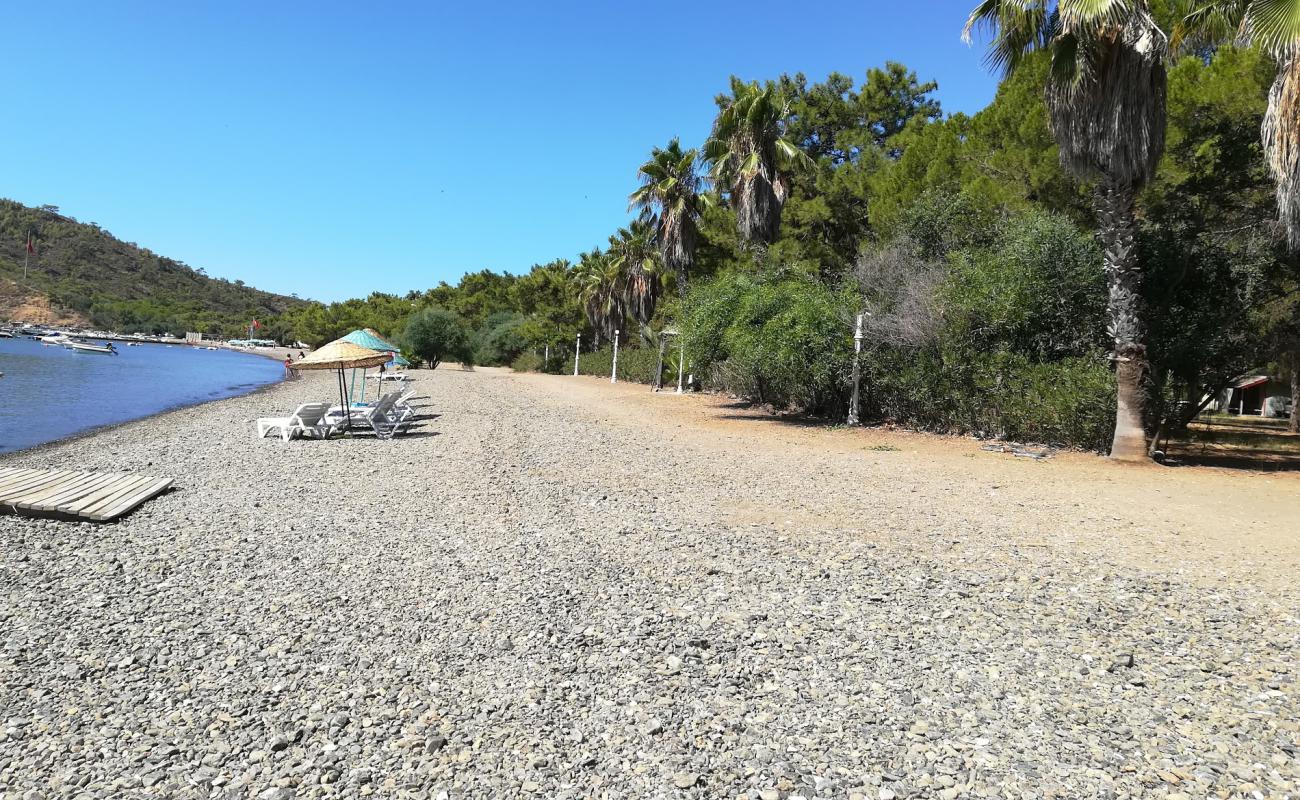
(83, 275)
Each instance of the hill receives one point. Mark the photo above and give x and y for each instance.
(83, 275)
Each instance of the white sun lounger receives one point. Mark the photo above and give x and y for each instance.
(308, 420)
(382, 418)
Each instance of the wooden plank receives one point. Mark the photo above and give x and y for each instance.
(106, 491)
(50, 498)
(34, 499)
(96, 496)
(137, 497)
(65, 504)
(97, 482)
(110, 495)
(18, 477)
(128, 491)
(30, 485)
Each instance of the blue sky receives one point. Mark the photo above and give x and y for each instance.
(333, 149)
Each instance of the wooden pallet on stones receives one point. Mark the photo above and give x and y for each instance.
(74, 494)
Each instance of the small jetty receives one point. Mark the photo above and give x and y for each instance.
(74, 495)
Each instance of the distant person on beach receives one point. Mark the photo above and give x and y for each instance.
(301, 354)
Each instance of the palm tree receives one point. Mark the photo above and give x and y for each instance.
(1106, 102)
(635, 259)
(671, 199)
(1274, 26)
(598, 288)
(752, 159)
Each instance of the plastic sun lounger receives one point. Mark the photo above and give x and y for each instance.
(307, 420)
(382, 418)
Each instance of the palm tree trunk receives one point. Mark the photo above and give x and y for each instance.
(1281, 139)
(1116, 224)
(1294, 424)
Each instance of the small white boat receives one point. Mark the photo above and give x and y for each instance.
(209, 348)
(54, 338)
(6, 335)
(87, 347)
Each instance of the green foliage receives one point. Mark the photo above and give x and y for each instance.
(527, 362)
(1038, 290)
(500, 339)
(1065, 403)
(635, 365)
(779, 340)
(435, 334)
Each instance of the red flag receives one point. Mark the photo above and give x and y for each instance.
(30, 249)
(256, 324)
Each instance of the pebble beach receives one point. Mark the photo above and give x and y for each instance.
(555, 588)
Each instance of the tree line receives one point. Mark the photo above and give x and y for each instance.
(1084, 261)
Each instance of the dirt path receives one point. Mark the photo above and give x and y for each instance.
(1205, 523)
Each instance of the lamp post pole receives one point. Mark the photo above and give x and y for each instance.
(681, 363)
(577, 348)
(854, 411)
(613, 370)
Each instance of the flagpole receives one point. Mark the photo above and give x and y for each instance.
(27, 256)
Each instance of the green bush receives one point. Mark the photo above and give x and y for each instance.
(527, 362)
(1065, 403)
(773, 339)
(635, 364)
(434, 334)
(500, 339)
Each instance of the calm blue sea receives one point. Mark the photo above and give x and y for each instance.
(48, 392)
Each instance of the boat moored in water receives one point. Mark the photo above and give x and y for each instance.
(87, 347)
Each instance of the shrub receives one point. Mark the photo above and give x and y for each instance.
(635, 364)
(527, 362)
(1066, 403)
(774, 339)
(500, 340)
(434, 334)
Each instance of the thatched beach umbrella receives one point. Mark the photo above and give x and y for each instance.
(340, 355)
(370, 338)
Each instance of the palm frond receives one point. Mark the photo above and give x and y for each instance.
(1274, 25)
(1015, 28)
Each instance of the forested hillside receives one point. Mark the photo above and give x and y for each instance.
(85, 274)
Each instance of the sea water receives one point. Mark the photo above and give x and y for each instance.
(49, 392)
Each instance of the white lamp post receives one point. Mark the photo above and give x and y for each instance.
(613, 371)
(854, 415)
(681, 363)
(577, 348)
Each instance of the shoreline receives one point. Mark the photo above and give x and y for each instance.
(111, 426)
(172, 409)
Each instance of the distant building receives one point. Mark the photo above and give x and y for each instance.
(193, 338)
(1259, 395)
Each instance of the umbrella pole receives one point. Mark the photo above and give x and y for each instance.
(347, 412)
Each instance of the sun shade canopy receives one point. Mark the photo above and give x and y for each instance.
(342, 355)
(368, 338)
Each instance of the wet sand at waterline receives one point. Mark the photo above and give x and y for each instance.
(554, 587)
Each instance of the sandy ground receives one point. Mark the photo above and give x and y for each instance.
(1202, 523)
